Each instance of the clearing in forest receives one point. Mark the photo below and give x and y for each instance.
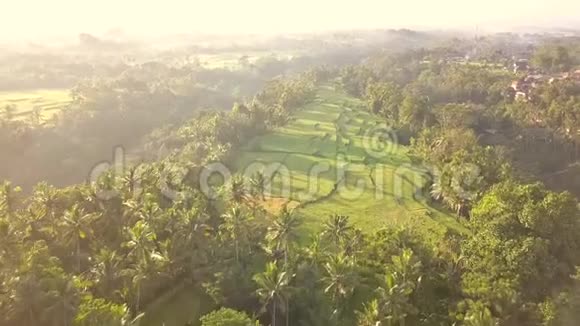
(335, 157)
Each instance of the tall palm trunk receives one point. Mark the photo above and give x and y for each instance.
(64, 317)
(287, 312)
(237, 251)
(286, 267)
(78, 254)
(274, 313)
(138, 304)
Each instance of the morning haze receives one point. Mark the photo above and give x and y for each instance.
(289, 163)
(67, 17)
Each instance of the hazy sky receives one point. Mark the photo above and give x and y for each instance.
(33, 18)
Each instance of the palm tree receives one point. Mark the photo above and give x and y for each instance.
(394, 294)
(442, 190)
(237, 189)
(340, 281)
(234, 225)
(315, 251)
(337, 229)
(28, 298)
(371, 315)
(46, 195)
(258, 184)
(406, 267)
(63, 304)
(416, 113)
(145, 257)
(131, 181)
(283, 232)
(146, 209)
(353, 245)
(8, 198)
(76, 227)
(191, 239)
(480, 316)
(139, 273)
(106, 270)
(273, 289)
(141, 242)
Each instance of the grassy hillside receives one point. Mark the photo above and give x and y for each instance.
(334, 131)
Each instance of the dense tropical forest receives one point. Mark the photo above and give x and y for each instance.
(405, 178)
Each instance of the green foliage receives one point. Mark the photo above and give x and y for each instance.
(523, 246)
(416, 113)
(354, 79)
(274, 290)
(553, 58)
(70, 257)
(98, 312)
(227, 317)
(384, 99)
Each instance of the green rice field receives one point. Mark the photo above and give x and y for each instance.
(49, 101)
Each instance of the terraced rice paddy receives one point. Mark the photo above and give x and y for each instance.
(48, 101)
(334, 157)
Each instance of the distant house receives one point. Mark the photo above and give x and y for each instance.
(573, 76)
(523, 87)
(522, 96)
(561, 76)
(535, 80)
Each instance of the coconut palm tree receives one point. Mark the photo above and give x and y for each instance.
(62, 305)
(47, 196)
(353, 245)
(139, 274)
(416, 113)
(142, 242)
(258, 184)
(393, 304)
(273, 289)
(145, 257)
(27, 300)
(235, 226)
(190, 239)
(406, 267)
(337, 229)
(131, 181)
(442, 190)
(106, 271)
(480, 316)
(340, 281)
(76, 228)
(315, 251)
(237, 189)
(283, 232)
(371, 315)
(8, 198)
